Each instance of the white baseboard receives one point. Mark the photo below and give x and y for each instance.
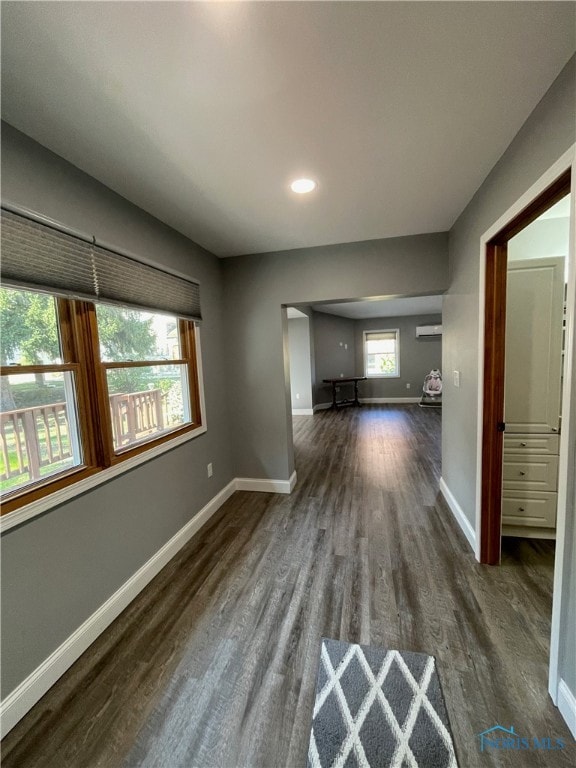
(31, 690)
(376, 400)
(268, 486)
(567, 706)
(458, 513)
(302, 411)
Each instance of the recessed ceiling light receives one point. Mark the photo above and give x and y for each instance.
(301, 186)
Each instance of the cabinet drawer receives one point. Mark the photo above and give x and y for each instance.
(530, 473)
(531, 444)
(529, 508)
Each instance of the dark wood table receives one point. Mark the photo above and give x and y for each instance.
(345, 380)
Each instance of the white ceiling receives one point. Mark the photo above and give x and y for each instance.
(361, 310)
(201, 113)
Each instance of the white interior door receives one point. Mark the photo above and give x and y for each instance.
(534, 312)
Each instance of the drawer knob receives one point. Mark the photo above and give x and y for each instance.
(522, 473)
(523, 445)
(520, 509)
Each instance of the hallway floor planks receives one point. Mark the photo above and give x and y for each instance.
(214, 664)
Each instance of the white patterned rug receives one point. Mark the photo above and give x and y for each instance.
(378, 709)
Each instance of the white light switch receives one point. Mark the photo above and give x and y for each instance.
(456, 378)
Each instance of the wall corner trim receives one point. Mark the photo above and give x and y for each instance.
(266, 485)
(458, 513)
(30, 691)
(567, 706)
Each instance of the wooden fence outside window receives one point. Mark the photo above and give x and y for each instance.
(34, 440)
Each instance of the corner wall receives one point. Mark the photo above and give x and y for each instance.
(335, 354)
(547, 134)
(300, 363)
(255, 289)
(60, 567)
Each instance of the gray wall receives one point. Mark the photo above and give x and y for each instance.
(335, 356)
(300, 362)
(256, 287)
(59, 568)
(417, 356)
(547, 134)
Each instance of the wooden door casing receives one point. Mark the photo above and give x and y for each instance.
(494, 367)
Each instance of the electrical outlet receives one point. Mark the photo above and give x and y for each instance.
(297, 396)
(407, 385)
(209, 468)
(456, 378)
(341, 375)
(345, 346)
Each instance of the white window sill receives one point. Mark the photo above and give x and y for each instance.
(39, 506)
(380, 376)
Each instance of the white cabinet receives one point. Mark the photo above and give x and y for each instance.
(529, 508)
(534, 313)
(530, 482)
(530, 473)
(531, 444)
(535, 294)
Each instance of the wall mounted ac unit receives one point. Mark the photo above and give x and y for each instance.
(428, 330)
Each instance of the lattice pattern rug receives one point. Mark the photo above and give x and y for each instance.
(378, 709)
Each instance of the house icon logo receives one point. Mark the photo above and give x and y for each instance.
(497, 736)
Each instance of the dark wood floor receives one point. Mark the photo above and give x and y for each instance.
(214, 664)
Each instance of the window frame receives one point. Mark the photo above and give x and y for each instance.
(365, 334)
(80, 349)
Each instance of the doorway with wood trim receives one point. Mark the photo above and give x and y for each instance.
(494, 382)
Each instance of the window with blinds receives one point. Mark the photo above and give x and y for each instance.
(381, 353)
(98, 359)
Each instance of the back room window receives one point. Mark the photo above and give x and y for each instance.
(382, 353)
